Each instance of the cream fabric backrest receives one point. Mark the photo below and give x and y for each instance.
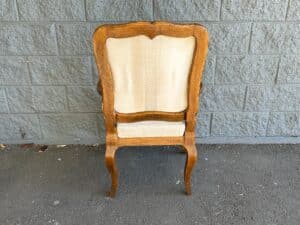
(150, 74)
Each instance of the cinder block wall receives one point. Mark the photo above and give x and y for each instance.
(48, 75)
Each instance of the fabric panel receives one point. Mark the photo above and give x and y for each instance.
(150, 129)
(150, 75)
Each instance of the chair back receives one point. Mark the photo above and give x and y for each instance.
(150, 71)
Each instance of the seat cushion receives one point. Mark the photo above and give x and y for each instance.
(151, 129)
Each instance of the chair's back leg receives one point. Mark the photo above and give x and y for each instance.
(112, 168)
(191, 159)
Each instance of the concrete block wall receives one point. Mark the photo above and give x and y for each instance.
(48, 76)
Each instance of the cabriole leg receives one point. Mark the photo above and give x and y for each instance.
(112, 168)
(191, 159)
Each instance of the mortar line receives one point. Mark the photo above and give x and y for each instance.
(98, 125)
(17, 10)
(248, 21)
(56, 40)
(250, 37)
(29, 70)
(277, 71)
(47, 22)
(92, 70)
(46, 85)
(287, 9)
(215, 69)
(267, 127)
(210, 123)
(60, 56)
(219, 54)
(245, 99)
(93, 84)
(6, 100)
(220, 10)
(271, 139)
(51, 113)
(85, 10)
(153, 5)
(97, 112)
(67, 99)
(40, 126)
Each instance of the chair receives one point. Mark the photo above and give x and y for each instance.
(149, 78)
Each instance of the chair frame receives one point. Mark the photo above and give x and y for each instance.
(106, 89)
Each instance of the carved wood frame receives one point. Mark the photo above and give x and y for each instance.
(106, 89)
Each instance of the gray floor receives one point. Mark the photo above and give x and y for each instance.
(232, 184)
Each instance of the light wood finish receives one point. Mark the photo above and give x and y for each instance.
(106, 89)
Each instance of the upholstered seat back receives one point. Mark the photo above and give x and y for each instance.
(150, 74)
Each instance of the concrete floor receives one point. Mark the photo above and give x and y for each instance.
(232, 184)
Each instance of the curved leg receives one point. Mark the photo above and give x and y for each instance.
(112, 168)
(191, 159)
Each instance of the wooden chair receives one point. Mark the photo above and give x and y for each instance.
(149, 78)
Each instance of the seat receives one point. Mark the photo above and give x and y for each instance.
(149, 78)
(151, 128)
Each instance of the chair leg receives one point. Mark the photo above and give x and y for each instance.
(191, 159)
(112, 168)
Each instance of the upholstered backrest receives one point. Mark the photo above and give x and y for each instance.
(150, 74)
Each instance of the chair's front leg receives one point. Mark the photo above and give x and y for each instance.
(112, 168)
(191, 159)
